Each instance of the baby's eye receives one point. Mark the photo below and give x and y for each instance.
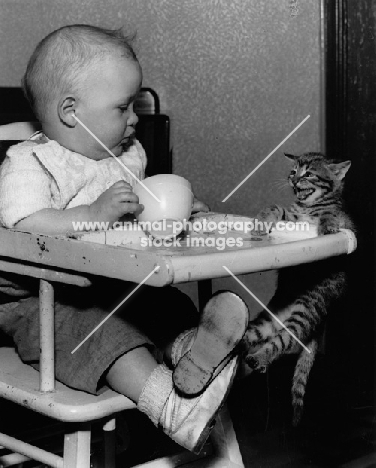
(123, 108)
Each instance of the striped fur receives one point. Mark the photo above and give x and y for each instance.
(304, 292)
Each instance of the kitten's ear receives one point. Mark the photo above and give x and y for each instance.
(340, 169)
(291, 156)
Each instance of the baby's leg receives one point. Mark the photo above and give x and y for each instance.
(129, 373)
(86, 368)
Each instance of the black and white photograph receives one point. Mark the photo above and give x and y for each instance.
(187, 233)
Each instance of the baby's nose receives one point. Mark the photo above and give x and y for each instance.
(133, 119)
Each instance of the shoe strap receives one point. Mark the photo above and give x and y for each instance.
(182, 345)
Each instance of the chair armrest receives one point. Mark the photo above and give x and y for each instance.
(18, 130)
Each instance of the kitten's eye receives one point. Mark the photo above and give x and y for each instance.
(293, 172)
(308, 174)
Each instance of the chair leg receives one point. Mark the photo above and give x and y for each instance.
(110, 443)
(77, 448)
(46, 336)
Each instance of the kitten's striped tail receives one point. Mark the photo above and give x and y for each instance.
(299, 383)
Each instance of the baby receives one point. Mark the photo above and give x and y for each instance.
(86, 75)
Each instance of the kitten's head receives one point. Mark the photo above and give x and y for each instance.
(313, 178)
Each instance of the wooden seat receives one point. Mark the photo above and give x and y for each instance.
(20, 384)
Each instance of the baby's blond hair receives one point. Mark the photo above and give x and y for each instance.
(62, 59)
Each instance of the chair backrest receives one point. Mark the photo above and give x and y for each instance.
(153, 129)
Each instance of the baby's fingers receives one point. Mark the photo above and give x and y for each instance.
(128, 202)
(121, 185)
(199, 206)
(126, 197)
(131, 208)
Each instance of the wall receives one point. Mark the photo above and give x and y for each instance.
(235, 77)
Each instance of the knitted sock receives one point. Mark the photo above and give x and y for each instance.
(155, 393)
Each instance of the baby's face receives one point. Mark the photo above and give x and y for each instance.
(106, 107)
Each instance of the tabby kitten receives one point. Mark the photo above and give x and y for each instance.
(304, 292)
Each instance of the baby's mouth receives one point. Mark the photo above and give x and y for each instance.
(127, 141)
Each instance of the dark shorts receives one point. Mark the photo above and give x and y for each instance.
(151, 317)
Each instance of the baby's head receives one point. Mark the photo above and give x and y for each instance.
(90, 73)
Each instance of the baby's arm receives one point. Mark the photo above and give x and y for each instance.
(109, 207)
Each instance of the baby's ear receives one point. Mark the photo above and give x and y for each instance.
(66, 110)
(291, 156)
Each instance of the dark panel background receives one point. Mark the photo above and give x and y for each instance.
(350, 135)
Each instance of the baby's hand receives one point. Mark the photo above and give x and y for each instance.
(114, 203)
(199, 206)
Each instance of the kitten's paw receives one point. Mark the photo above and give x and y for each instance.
(263, 224)
(327, 230)
(259, 232)
(256, 363)
(327, 227)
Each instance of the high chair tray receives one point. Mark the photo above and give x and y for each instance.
(173, 264)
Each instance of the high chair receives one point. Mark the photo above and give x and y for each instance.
(40, 392)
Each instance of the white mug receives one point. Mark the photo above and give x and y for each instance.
(165, 218)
